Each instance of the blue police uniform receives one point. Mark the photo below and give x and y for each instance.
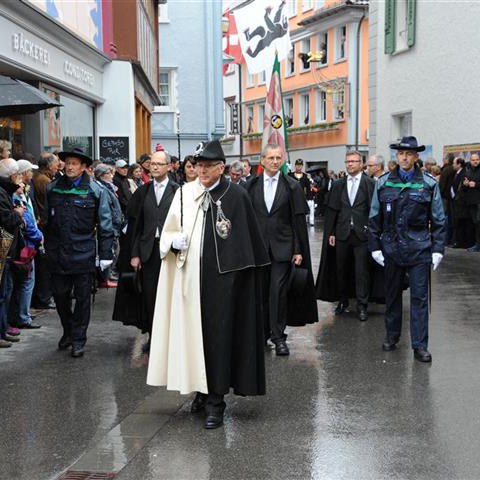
(407, 223)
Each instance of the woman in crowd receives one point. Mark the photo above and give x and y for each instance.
(11, 219)
(134, 176)
(5, 149)
(189, 170)
(23, 269)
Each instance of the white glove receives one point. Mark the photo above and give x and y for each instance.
(180, 242)
(104, 264)
(377, 255)
(436, 259)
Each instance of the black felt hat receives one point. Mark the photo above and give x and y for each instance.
(408, 143)
(77, 153)
(211, 151)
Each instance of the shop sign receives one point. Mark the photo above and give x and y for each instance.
(27, 47)
(113, 149)
(78, 72)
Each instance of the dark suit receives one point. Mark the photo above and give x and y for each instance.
(145, 244)
(350, 228)
(281, 240)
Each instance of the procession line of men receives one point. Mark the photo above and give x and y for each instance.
(186, 244)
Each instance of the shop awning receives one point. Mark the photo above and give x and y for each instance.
(17, 98)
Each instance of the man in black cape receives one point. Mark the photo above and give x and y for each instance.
(281, 207)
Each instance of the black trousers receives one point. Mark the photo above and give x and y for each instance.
(42, 291)
(345, 249)
(74, 321)
(277, 303)
(150, 274)
(418, 278)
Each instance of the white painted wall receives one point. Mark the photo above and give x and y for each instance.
(438, 79)
(116, 117)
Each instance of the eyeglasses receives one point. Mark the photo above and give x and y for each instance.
(155, 164)
(351, 161)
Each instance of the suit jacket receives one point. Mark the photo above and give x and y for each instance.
(278, 225)
(150, 216)
(342, 213)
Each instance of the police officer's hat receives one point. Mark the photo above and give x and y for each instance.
(298, 161)
(77, 153)
(210, 151)
(408, 143)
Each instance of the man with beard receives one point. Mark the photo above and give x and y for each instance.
(206, 337)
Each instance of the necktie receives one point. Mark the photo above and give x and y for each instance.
(269, 194)
(353, 190)
(158, 192)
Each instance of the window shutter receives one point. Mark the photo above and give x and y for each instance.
(390, 26)
(411, 10)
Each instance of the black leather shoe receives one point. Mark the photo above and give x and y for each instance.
(199, 402)
(390, 344)
(341, 307)
(362, 314)
(64, 343)
(30, 326)
(213, 420)
(422, 355)
(77, 352)
(281, 349)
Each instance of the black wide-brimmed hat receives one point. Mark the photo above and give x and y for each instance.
(408, 143)
(211, 151)
(77, 153)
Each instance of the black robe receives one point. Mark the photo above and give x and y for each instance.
(232, 294)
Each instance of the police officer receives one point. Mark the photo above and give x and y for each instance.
(79, 223)
(407, 235)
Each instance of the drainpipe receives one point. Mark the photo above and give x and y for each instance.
(357, 100)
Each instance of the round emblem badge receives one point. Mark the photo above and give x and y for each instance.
(276, 121)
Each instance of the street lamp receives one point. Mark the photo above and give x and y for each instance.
(177, 116)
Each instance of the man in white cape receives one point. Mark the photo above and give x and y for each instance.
(209, 318)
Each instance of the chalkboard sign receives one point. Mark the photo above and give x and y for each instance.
(113, 149)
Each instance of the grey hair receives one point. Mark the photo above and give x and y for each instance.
(168, 158)
(46, 159)
(269, 146)
(431, 160)
(379, 160)
(8, 167)
(237, 165)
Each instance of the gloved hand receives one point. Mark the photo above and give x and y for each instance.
(180, 241)
(104, 264)
(377, 255)
(436, 259)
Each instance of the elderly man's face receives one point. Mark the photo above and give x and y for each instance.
(209, 172)
(159, 167)
(272, 161)
(54, 166)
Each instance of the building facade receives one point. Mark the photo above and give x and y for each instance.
(325, 102)
(423, 76)
(191, 98)
(69, 53)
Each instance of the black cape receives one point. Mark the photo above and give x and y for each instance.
(232, 301)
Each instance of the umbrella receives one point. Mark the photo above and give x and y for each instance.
(17, 98)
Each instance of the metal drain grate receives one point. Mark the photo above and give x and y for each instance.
(73, 475)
